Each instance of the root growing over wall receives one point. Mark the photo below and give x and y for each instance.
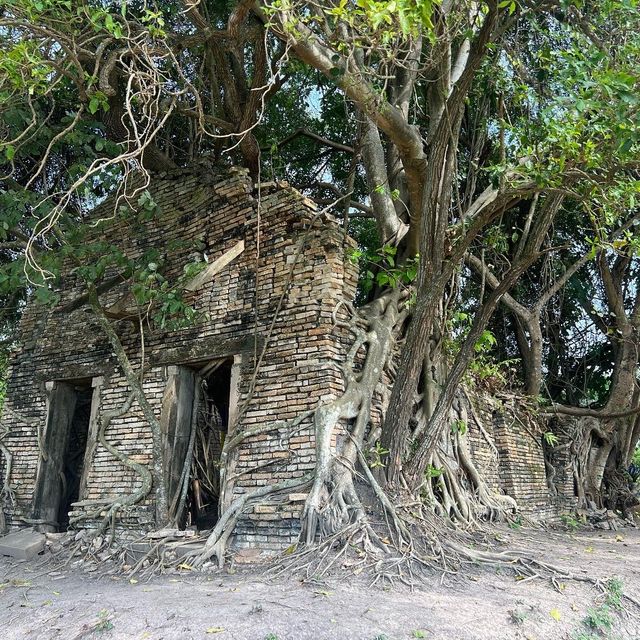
(146, 481)
(345, 433)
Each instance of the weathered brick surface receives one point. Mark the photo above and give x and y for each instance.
(274, 302)
(509, 453)
(293, 264)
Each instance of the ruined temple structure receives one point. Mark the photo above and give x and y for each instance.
(276, 270)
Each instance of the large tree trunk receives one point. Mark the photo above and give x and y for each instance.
(417, 463)
(401, 408)
(530, 342)
(603, 442)
(599, 458)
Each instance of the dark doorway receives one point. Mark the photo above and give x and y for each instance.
(211, 428)
(64, 449)
(195, 419)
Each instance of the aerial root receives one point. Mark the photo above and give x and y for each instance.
(216, 544)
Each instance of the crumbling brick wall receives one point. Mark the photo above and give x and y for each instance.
(522, 466)
(273, 303)
(507, 446)
(476, 411)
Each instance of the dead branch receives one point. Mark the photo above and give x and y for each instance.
(332, 144)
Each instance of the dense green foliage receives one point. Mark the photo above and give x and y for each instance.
(557, 95)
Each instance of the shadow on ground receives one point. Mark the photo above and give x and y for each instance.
(42, 603)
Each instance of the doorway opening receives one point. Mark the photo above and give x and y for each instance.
(64, 451)
(211, 429)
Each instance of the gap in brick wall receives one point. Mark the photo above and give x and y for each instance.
(212, 393)
(64, 448)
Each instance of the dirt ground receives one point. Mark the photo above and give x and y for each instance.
(41, 603)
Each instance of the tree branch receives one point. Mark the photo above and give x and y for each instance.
(332, 144)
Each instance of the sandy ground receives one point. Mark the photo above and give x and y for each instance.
(40, 603)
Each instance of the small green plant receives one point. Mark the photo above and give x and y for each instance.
(271, 636)
(410, 302)
(614, 590)
(418, 633)
(517, 616)
(376, 454)
(541, 400)
(516, 523)
(485, 342)
(599, 618)
(98, 101)
(104, 621)
(550, 438)
(380, 267)
(484, 367)
(571, 522)
(459, 426)
(148, 206)
(434, 472)
(383, 189)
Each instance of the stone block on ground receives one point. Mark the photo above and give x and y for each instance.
(22, 545)
(188, 549)
(249, 556)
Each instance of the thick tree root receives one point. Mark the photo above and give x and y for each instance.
(111, 510)
(341, 425)
(216, 544)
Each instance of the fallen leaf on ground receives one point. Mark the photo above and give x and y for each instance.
(18, 582)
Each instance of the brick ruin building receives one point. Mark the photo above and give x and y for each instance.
(276, 271)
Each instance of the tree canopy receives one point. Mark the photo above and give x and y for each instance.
(483, 152)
